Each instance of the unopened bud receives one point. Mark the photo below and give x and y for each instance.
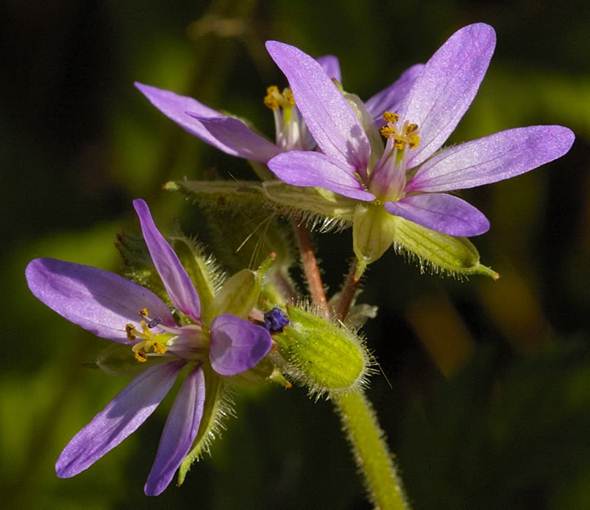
(373, 232)
(324, 356)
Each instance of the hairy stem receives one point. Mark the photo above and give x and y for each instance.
(311, 268)
(370, 450)
(348, 291)
(358, 418)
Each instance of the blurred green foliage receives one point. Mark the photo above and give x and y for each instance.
(507, 426)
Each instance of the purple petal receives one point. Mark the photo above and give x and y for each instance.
(492, 158)
(306, 168)
(175, 107)
(120, 418)
(179, 432)
(331, 67)
(449, 81)
(236, 344)
(388, 99)
(443, 213)
(98, 301)
(328, 116)
(235, 134)
(174, 277)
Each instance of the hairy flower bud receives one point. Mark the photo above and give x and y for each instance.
(372, 233)
(324, 356)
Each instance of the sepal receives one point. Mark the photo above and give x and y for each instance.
(203, 271)
(239, 294)
(373, 231)
(438, 252)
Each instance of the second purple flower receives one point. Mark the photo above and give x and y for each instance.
(119, 310)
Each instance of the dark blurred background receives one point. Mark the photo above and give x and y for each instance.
(489, 401)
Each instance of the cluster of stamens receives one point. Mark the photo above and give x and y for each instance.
(275, 99)
(406, 136)
(150, 342)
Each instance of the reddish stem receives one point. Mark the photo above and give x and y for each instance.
(347, 293)
(311, 268)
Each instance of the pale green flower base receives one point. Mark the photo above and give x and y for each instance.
(370, 450)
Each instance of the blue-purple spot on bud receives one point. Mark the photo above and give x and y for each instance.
(275, 320)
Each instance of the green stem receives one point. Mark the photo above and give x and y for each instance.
(370, 450)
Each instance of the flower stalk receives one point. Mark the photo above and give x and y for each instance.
(370, 450)
(351, 285)
(359, 421)
(311, 268)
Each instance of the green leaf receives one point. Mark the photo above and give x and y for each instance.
(439, 252)
(138, 264)
(220, 194)
(245, 237)
(320, 208)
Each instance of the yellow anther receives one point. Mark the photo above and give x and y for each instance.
(390, 117)
(144, 312)
(413, 140)
(388, 131)
(139, 356)
(288, 97)
(131, 331)
(139, 352)
(408, 136)
(275, 99)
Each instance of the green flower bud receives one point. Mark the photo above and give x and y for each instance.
(324, 356)
(373, 231)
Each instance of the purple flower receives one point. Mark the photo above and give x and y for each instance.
(406, 175)
(119, 310)
(232, 135)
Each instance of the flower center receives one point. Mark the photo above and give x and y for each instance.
(407, 136)
(151, 343)
(389, 178)
(291, 132)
